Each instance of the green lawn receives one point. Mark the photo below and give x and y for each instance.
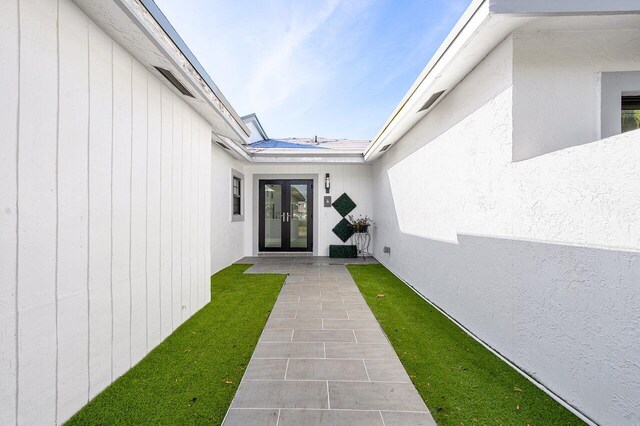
(461, 382)
(191, 377)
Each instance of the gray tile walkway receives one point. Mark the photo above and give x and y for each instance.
(322, 359)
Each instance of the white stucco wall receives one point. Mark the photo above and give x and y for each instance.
(104, 190)
(227, 237)
(557, 85)
(538, 258)
(353, 179)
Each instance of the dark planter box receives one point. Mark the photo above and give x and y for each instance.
(360, 229)
(343, 252)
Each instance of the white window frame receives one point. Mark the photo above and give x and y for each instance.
(237, 217)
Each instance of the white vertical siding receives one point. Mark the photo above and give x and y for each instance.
(9, 86)
(193, 221)
(154, 126)
(200, 212)
(37, 212)
(166, 217)
(138, 213)
(176, 269)
(73, 211)
(101, 177)
(121, 212)
(206, 158)
(186, 214)
(100, 143)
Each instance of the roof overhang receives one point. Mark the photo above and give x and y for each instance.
(481, 28)
(140, 27)
(240, 152)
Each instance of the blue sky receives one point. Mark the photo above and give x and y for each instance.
(314, 67)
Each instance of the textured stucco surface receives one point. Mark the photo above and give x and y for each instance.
(557, 82)
(538, 258)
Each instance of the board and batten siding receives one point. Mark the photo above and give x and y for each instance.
(105, 218)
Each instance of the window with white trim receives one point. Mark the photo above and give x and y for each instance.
(237, 196)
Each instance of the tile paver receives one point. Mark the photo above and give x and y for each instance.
(252, 417)
(266, 369)
(375, 396)
(281, 394)
(322, 359)
(329, 418)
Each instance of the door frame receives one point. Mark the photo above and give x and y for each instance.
(253, 190)
(286, 184)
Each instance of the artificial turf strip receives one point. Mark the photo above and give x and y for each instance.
(191, 377)
(461, 381)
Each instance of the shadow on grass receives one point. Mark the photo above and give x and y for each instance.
(459, 379)
(191, 377)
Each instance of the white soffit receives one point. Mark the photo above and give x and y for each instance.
(132, 26)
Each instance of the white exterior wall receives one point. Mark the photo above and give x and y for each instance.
(104, 183)
(354, 179)
(557, 79)
(227, 237)
(538, 258)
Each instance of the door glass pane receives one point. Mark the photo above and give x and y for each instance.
(298, 212)
(272, 215)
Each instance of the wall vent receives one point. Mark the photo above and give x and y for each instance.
(386, 147)
(223, 145)
(173, 80)
(432, 100)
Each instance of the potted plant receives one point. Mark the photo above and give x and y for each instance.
(361, 224)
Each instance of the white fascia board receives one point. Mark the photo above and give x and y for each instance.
(564, 7)
(236, 150)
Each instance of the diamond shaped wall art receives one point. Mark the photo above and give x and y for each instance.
(344, 205)
(343, 230)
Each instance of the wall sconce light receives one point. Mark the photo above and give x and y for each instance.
(327, 182)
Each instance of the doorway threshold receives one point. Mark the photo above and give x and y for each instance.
(286, 253)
